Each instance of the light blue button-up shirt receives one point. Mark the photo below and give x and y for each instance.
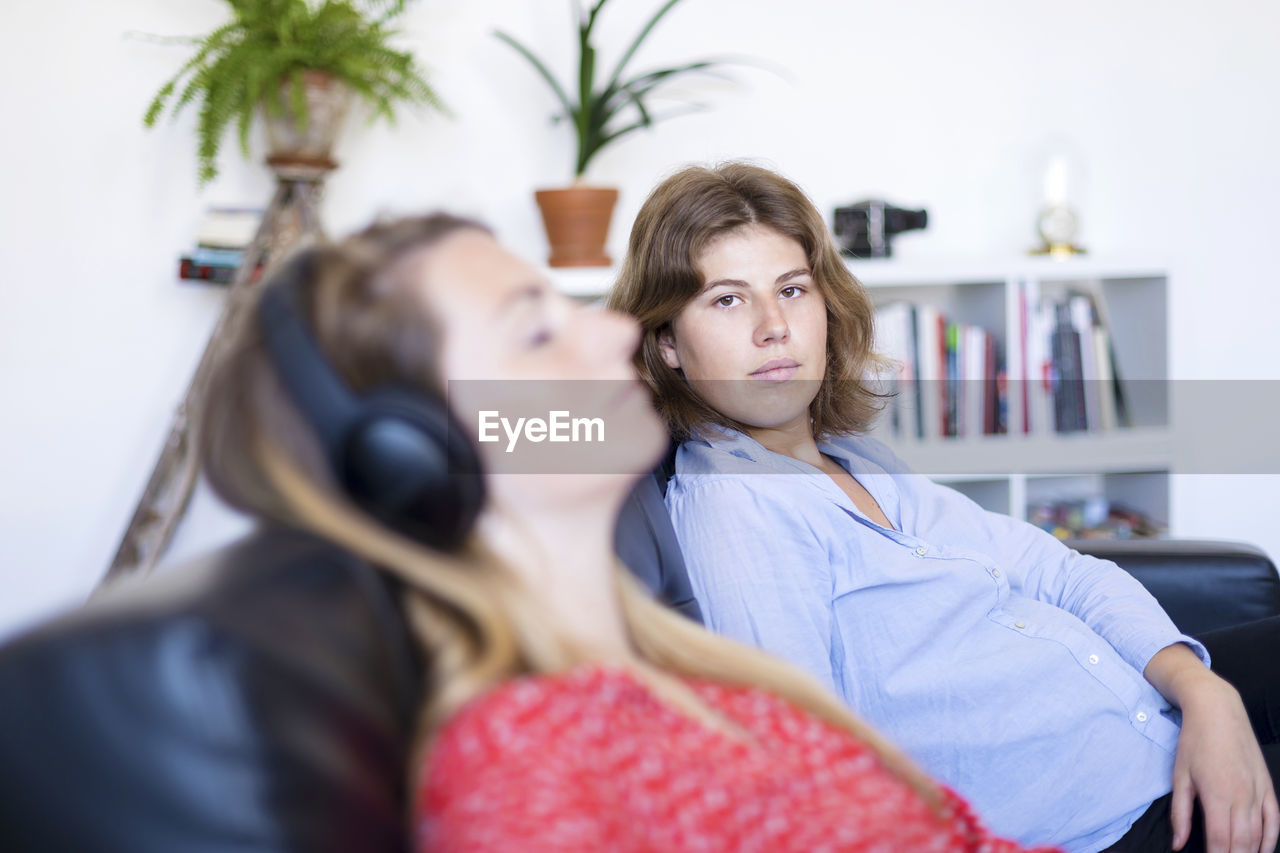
(1006, 664)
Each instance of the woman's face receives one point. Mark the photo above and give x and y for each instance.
(514, 347)
(753, 342)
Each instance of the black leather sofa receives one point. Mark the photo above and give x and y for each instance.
(261, 700)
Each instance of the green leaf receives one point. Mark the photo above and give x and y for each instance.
(696, 108)
(635, 90)
(541, 69)
(635, 45)
(585, 115)
(591, 17)
(157, 103)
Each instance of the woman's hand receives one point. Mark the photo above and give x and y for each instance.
(1218, 759)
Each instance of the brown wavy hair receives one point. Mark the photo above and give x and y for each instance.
(660, 276)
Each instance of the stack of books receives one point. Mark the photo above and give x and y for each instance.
(223, 236)
(949, 377)
(1069, 364)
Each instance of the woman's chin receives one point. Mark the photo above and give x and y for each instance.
(763, 405)
(774, 421)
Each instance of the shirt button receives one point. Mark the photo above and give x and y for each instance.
(1141, 716)
(1019, 624)
(1093, 658)
(995, 573)
(921, 551)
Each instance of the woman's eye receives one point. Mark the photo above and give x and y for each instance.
(726, 300)
(791, 291)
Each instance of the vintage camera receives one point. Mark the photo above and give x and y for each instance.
(864, 230)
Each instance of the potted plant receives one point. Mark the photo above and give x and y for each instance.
(297, 61)
(577, 218)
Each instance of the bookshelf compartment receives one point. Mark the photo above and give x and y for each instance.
(1138, 501)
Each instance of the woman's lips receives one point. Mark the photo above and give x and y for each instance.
(778, 370)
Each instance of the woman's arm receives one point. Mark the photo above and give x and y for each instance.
(1218, 759)
(1100, 593)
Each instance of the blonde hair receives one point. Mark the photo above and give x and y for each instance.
(476, 624)
(660, 276)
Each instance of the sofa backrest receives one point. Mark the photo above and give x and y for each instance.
(1202, 584)
(646, 543)
(258, 702)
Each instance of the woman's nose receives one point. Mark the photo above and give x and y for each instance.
(772, 325)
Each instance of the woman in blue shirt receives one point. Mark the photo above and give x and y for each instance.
(1047, 686)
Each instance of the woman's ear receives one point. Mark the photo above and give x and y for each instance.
(667, 346)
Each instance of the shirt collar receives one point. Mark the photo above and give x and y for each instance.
(745, 447)
(740, 446)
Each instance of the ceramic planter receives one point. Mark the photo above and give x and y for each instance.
(577, 222)
(327, 100)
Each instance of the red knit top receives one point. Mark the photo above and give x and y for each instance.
(590, 759)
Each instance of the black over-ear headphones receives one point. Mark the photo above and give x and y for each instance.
(399, 454)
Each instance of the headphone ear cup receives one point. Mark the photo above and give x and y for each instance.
(408, 463)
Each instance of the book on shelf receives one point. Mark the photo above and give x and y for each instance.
(930, 369)
(217, 266)
(216, 257)
(191, 268)
(1068, 386)
(1107, 403)
(896, 338)
(1080, 307)
(948, 378)
(228, 227)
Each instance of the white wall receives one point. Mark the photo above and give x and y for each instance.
(949, 105)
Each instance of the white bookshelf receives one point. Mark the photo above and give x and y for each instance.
(1007, 472)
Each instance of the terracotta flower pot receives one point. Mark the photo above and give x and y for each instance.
(577, 222)
(327, 100)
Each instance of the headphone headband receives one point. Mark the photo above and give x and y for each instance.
(313, 385)
(397, 453)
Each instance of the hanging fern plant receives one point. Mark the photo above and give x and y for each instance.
(262, 54)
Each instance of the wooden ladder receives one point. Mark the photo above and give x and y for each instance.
(290, 221)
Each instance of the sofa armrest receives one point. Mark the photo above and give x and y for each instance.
(1201, 584)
